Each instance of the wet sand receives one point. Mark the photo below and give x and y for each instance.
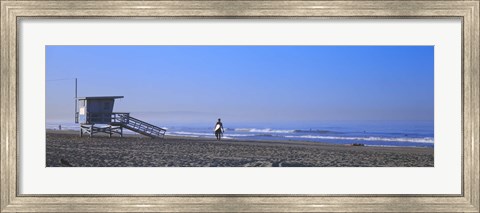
(67, 148)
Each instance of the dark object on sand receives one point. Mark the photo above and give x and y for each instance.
(358, 144)
(65, 163)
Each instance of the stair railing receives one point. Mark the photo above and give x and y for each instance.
(142, 126)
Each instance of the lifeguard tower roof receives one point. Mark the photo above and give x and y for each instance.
(99, 97)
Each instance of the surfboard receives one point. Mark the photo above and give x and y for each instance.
(217, 127)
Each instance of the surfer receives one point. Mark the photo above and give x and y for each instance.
(219, 129)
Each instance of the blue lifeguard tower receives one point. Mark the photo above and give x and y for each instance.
(96, 115)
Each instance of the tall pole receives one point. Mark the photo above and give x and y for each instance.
(76, 102)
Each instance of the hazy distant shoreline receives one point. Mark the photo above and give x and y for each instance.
(66, 148)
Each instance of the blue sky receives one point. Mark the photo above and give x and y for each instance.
(246, 84)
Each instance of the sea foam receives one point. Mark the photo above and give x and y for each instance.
(266, 130)
(415, 140)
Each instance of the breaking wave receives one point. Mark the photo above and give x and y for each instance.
(267, 130)
(415, 140)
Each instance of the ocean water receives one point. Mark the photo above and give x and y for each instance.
(403, 134)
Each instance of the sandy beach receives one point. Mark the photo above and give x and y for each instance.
(67, 148)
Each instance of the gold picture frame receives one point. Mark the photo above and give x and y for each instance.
(469, 201)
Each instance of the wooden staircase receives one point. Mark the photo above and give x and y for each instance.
(128, 122)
